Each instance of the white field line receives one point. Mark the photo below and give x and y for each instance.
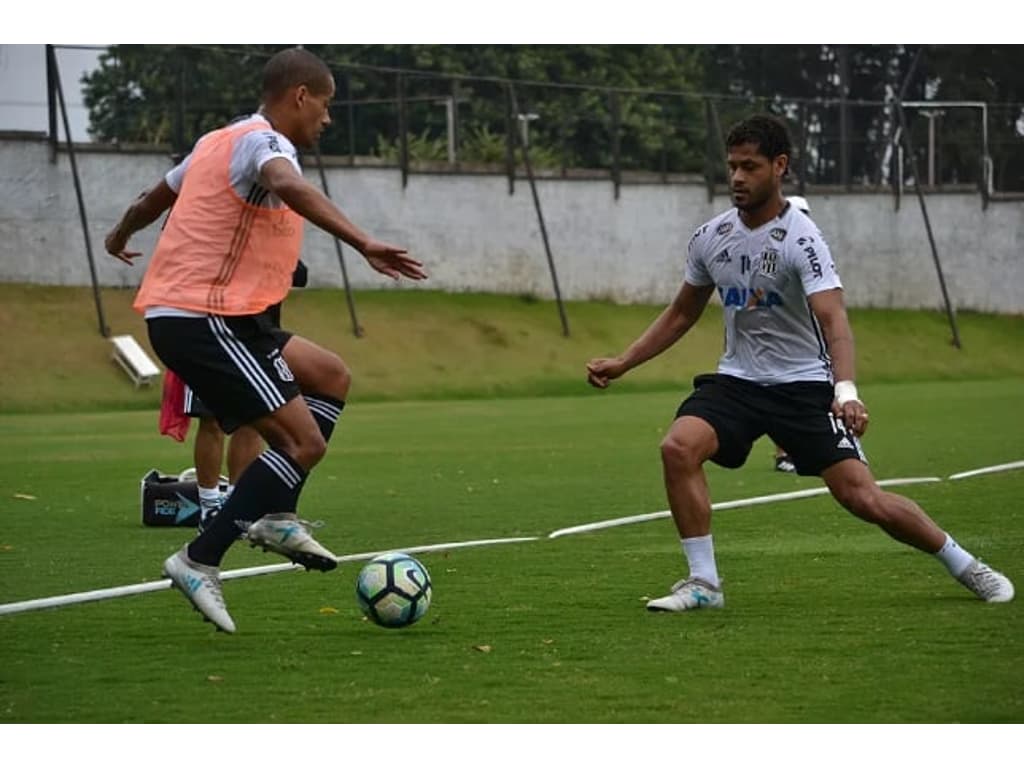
(753, 501)
(240, 573)
(988, 470)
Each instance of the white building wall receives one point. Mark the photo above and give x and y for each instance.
(473, 236)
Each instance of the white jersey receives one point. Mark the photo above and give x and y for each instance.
(250, 153)
(764, 277)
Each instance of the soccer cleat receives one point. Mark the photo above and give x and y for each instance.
(688, 595)
(991, 586)
(287, 535)
(201, 585)
(784, 464)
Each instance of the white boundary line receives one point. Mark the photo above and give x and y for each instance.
(753, 501)
(988, 470)
(240, 573)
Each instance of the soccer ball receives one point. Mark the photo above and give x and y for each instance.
(394, 590)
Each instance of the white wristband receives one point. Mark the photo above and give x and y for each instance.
(845, 392)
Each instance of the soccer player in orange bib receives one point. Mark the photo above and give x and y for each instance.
(227, 252)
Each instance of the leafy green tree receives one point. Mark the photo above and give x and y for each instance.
(806, 82)
(170, 94)
(175, 93)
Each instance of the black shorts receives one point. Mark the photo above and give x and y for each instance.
(194, 406)
(797, 416)
(233, 363)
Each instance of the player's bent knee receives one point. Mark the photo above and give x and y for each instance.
(334, 377)
(311, 449)
(295, 433)
(343, 379)
(676, 453)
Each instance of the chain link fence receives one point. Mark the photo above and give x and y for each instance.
(422, 122)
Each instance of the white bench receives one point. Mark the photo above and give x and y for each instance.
(133, 358)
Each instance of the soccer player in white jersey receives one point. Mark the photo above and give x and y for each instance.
(787, 371)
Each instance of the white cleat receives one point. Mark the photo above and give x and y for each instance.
(287, 535)
(201, 585)
(991, 586)
(688, 595)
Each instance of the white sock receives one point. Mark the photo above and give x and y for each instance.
(700, 554)
(954, 557)
(209, 497)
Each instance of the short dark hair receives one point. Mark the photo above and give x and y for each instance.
(295, 66)
(766, 131)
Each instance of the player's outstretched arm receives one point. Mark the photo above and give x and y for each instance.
(281, 178)
(830, 310)
(670, 326)
(144, 211)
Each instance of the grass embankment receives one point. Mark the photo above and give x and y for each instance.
(428, 345)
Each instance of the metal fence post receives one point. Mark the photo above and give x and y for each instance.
(403, 136)
(351, 115)
(616, 114)
(454, 138)
(97, 298)
(802, 157)
(950, 311)
(510, 147)
(710, 150)
(540, 216)
(178, 121)
(844, 117)
(51, 101)
(357, 330)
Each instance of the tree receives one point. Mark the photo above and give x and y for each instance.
(175, 93)
(159, 94)
(806, 82)
(808, 85)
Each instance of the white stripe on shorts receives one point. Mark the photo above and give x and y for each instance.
(247, 364)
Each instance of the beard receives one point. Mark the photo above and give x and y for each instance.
(751, 200)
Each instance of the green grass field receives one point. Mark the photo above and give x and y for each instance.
(827, 620)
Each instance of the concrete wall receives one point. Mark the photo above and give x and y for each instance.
(474, 236)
